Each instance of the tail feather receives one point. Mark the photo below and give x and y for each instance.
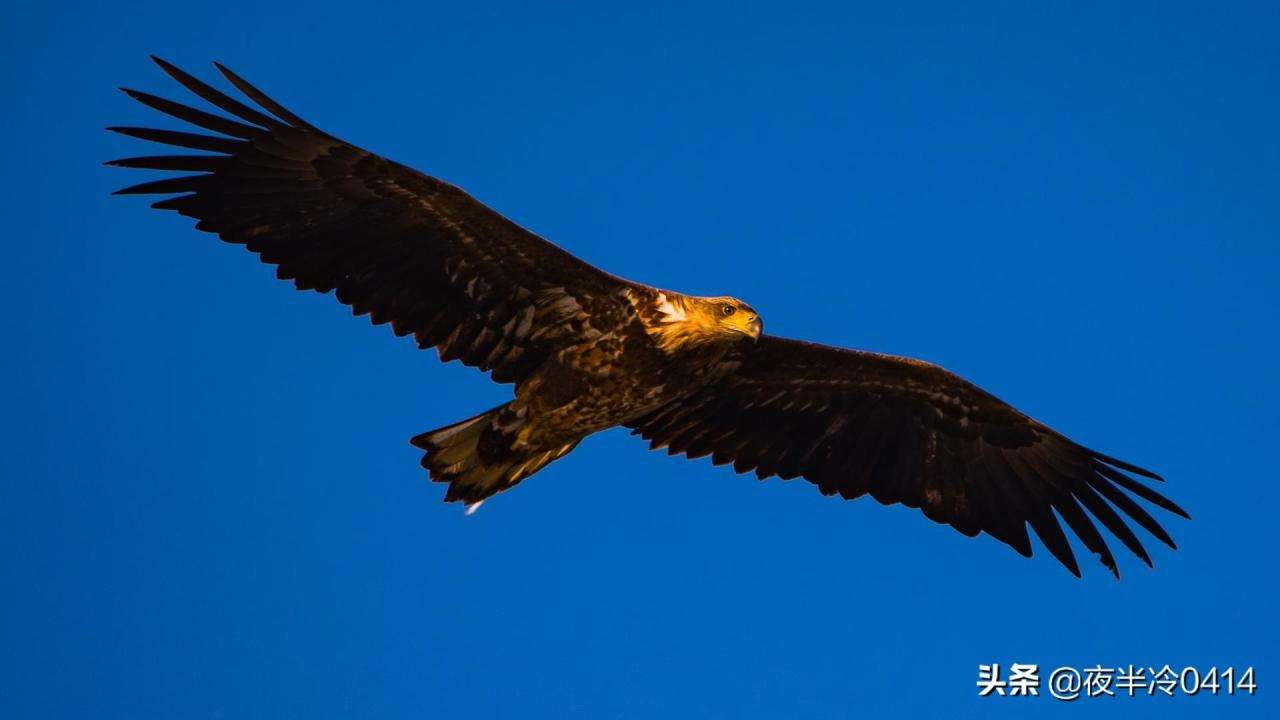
(455, 455)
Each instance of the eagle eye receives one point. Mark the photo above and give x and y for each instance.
(728, 310)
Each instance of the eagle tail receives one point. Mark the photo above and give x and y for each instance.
(458, 455)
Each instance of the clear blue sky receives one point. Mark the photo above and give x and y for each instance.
(208, 507)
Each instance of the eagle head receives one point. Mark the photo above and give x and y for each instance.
(734, 317)
(689, 320)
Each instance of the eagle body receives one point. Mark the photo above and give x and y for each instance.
(662, 346)
(586, 350)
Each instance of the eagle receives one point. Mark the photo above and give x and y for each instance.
(587, 350)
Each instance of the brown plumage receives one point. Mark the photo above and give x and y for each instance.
(587, 350)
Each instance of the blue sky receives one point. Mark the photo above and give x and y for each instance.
(208, 507)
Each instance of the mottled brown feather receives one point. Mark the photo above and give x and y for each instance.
(395, 244)
(908, 432)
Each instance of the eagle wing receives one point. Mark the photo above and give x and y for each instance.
(393, 243)
(907, 432)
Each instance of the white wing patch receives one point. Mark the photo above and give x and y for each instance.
(671, 312)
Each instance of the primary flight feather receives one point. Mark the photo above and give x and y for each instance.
(587, 350)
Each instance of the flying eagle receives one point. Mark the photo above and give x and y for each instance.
(587, 350)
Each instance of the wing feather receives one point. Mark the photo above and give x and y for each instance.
(401, 247)
(909, 432)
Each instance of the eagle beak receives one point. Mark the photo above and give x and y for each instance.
(756, 327)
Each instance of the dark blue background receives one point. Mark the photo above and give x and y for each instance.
(208, 507)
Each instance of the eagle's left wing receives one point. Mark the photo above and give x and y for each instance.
(907, 432)
(404, 247)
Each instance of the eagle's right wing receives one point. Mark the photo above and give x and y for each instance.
(906, 431)
(399, 245)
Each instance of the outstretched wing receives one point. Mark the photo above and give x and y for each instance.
(401, 246)
(907, 432)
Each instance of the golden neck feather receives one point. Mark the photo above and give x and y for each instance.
(680, 322)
